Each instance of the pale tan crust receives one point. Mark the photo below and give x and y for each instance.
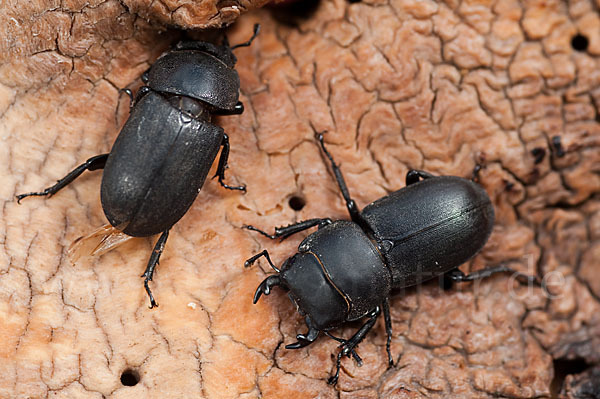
(398, 84)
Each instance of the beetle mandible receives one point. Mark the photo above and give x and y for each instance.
(164, 152)
(346, 270)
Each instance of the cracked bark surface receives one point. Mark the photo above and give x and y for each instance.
(431, 85)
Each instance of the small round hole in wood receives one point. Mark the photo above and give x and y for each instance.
(580, 42)
(296, 202)
(130, 378)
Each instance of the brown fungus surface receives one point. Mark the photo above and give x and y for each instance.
(433, 85)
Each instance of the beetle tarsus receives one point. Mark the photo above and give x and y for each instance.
(457, 275)
(334, 378)
(343, 341)
(264, 233)
(285, 232)
(388, 330)
(345, 351)
(348, 346)
(94, 163)
(153, 303)
(152, 263)
(39, 194)
(241, 188)
(223, 165)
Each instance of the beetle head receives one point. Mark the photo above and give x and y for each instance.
(312, 292)
(223, 52)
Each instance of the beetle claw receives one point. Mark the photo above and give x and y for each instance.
(295, 345)
(265, 287)
(356, 358)
(303, 341)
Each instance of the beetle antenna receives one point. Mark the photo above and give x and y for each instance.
(264, 253)
(249, 42)
(225, 42)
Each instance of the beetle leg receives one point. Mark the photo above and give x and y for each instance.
(457, 275)
(349, 345)
(388, 329)
(158, 249)
(413, 176)
(338, 364)
(350, 203)
(223, 165)
(285, 232)
(305, 339)
(266, 285)
(94, 163)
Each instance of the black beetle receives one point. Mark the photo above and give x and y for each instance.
(164, 152)
(346, 269)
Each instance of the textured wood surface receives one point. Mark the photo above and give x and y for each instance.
(438, 86)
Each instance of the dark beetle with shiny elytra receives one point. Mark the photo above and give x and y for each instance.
(164, 152)
(346, 270)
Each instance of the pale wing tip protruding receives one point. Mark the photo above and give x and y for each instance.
(98, 242)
